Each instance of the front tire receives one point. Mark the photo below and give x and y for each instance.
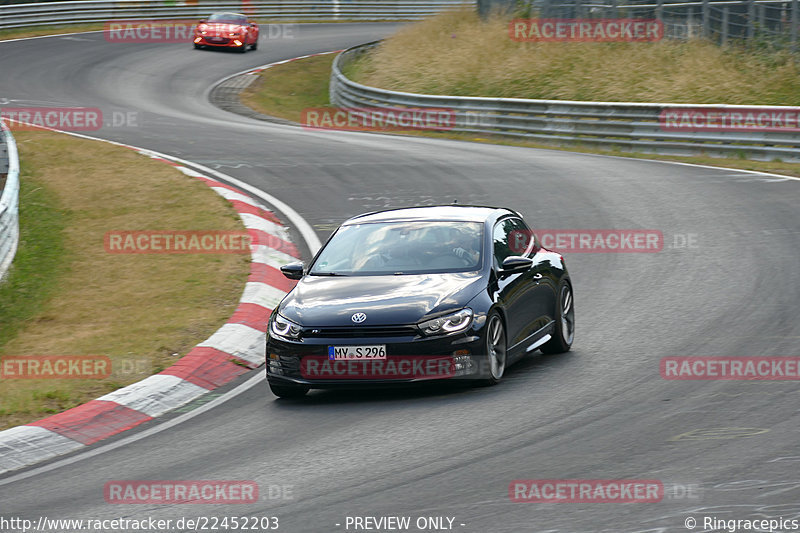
(495, 349)
(288, 391)
(243, 48)
(564, 330)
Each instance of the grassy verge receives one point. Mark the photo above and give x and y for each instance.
(66, 295)
(285, 90)
(456, 53)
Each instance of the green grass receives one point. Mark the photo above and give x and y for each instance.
(41, 256)
(457, 53)
(284, 91)
(67, 296)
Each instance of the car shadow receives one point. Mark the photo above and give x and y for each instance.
(522, 373)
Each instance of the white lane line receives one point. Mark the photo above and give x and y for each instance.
(257, 379)
(47, 36)
(305, 229)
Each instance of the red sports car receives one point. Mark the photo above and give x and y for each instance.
(226, 30)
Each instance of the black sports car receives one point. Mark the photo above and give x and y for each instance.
(416, 294)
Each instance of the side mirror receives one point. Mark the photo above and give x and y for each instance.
(514, 264)
(202, 21)
(293, 270)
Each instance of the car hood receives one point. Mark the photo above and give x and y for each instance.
(404, 299)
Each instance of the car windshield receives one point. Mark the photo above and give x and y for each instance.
(227, 18)
(418, 247)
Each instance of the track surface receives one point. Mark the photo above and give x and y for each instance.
(600, 411)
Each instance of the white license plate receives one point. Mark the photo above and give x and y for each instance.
(358, 353)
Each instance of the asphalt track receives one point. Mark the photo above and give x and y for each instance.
(600, 411)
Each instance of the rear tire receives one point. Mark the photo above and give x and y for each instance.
(288, 391)
(564, 330)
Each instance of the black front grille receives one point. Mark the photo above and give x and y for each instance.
(361, 332)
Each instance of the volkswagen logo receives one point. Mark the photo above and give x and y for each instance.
(358, 318)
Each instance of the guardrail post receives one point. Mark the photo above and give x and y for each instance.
(795, 22)
(660, 10)
(762, 18)
(751, 19)
(614, 9)
(706, 20)
(725, 23)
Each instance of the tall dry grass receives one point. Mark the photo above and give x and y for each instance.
(456, 53)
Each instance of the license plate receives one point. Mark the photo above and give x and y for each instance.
(358, 353)
(215, 39)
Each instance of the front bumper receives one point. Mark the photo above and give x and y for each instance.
(408, 360)
(222, 42)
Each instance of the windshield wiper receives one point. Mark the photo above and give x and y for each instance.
(326, 274)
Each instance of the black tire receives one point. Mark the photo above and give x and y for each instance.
(496, 349)
(564, 330)
(288, 391)
(254, 46)
(242, 49)
(197, 46)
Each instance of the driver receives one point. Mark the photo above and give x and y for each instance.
(464, 248)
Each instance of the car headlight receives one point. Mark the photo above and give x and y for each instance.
(281, 327)
(234, 34)
(444, 325)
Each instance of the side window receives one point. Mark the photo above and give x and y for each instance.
(511, 236)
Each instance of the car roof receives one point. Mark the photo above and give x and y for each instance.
(465, 213)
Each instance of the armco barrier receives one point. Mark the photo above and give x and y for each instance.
(9, 200)
(610, 125)
(92, 11)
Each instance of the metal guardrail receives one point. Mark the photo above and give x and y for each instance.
(93, 11)
(9, 200)
(609, 125)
